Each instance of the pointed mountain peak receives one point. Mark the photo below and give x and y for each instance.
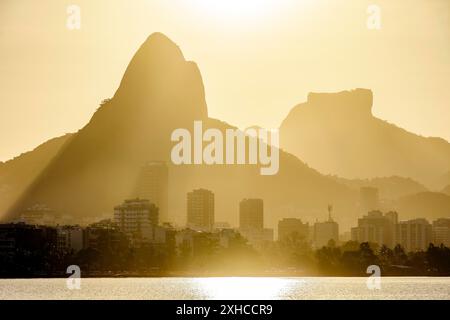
(162, 83)
(156, 56)
(159, 38)
(159, 43)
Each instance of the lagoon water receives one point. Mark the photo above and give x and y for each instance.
(227, 288)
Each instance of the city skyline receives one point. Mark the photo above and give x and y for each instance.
(200, 211)
(138, 218)
(412, 246)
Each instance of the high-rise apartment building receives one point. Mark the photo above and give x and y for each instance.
(324, 232)
(200, 210)
(153, 185)
(136, 218)
(376, 227)
(414, 235)
(251, 214)
(441, 232)
(292, 228)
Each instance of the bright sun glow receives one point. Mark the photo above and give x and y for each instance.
(242, 288)
(237, 9)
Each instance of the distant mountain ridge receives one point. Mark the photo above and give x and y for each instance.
(18, 174)
(432, 205)
(337, 134)
(446, 190)
(390, 188)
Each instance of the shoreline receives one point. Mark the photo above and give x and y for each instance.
(214, 275)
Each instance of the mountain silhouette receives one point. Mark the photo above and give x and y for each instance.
(444, 180)
(432, 205)
(390, 188)
(97, 168)
(446, 190)
(18, 174)
(336, 133)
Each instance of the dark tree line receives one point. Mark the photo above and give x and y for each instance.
(110, 252)
(353, 259)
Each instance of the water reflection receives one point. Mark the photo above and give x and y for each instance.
(226, 288)
(243, 288)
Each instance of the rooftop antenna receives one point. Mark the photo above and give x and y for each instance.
(330, 209)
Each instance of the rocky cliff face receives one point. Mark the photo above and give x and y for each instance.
(160, 81)
(355, 103)
(336, 133)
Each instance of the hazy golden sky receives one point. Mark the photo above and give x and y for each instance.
(258, 58)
